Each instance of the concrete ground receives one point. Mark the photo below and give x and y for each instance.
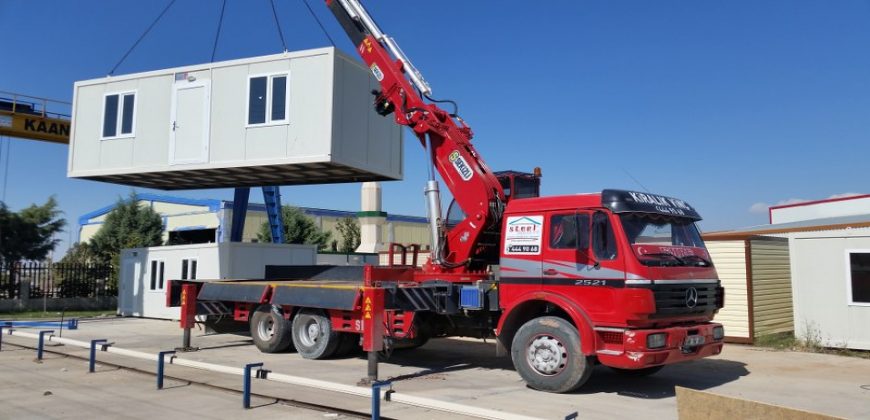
(467, 372)
(61, 388)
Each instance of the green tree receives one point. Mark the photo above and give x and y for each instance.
(298, 229)
(350, 234)
(80, 253)
(128, 225)
(29, 233)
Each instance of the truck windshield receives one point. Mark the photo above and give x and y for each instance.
(660, 240)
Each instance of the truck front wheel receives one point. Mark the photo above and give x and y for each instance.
(546, 353)
(313, 335)
(269, 329)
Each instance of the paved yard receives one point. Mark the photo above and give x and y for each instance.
(467, 372)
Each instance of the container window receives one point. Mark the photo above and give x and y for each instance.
(157, 277)
(279, 98)
(119, 115)
(127, 114)
(161, 275)
(153, 275)
(110, 116)
(267, 99)
(188, 269)
(257, 100)
(859, 277)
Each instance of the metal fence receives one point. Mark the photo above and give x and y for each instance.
(57, 280)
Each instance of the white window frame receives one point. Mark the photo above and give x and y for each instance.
(269, 121)
(848, 270)
(190, 261)
(120, 117)
(157, 287)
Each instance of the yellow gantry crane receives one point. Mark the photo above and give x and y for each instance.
(29, 117)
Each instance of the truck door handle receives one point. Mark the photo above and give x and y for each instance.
(550, 272)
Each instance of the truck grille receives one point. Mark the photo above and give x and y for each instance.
(681, 300)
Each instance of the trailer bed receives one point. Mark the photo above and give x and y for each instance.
(311, 286)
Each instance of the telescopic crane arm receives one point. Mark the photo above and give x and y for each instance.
(472, 243)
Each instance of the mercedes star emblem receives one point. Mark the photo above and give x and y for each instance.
(692, 297)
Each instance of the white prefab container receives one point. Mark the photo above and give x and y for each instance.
(831, 284)
(146, 271)
(296, 118)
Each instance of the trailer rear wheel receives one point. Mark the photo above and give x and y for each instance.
(269, 329)
(546, 353)
(313, 335)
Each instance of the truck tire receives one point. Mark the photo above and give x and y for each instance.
(546, 353)
(313, 335)
(269, 329)
(652, 370)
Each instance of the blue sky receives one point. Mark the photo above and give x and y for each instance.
(732, 106)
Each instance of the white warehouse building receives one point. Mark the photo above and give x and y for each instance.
(190, 220)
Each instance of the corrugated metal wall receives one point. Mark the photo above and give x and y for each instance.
(771, 287)
(729, 257)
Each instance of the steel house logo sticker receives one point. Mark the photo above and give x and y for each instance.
(461, 165)
(523, 235)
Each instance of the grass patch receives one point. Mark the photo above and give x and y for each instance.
(55, 314)
(813, 344)
(782, 341)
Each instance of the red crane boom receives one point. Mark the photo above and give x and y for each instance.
(473, 243)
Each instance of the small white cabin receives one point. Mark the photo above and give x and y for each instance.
(146, 271)
(287, 119)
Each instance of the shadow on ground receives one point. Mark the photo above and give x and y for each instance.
(445, 356)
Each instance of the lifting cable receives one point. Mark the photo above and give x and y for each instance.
(278, 25)
(217, 35)
(141, 37)
(316, 19)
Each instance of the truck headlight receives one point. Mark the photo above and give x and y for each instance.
(656, 341)
(718, 333)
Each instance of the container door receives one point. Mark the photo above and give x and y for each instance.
(130, 286)
(188, 139)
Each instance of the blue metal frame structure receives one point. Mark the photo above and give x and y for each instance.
(272, 198)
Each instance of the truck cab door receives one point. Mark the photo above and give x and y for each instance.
(566, 257)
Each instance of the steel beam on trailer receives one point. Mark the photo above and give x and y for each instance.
(240, 211)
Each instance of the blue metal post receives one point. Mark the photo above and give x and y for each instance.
(272, 198)
(376, 398)
(42, 343)
(240, 210)
(160, 358)
(92, 364)
(246, 389)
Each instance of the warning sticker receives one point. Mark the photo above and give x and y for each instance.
(523, 235)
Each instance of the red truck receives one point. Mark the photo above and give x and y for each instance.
(619, 278)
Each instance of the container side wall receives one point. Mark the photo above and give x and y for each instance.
(771, 287)
(729, 258)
